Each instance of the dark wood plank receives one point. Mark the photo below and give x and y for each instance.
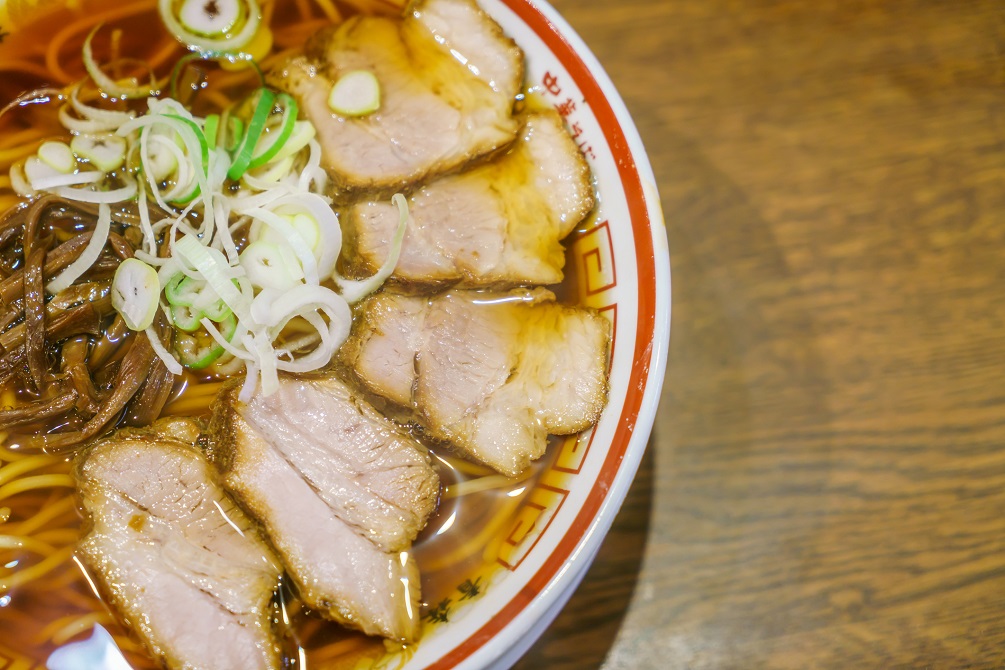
(826, 483)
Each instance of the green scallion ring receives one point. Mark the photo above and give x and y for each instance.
(242, 159)
(290, 111)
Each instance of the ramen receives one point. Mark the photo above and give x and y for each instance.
(77, 365)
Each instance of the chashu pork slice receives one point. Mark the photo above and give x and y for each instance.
(174, 556)
(448, 81)
(340, 492)
(371, 474)
(492, 374)
(499, 224)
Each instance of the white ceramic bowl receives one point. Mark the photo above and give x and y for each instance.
(623, 269)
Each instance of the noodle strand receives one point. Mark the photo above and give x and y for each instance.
(36, 482)
(40, 569)
(49, 512)
(85, 25)
(27, 464)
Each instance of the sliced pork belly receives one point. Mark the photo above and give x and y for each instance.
(493, 374)
(340, 491)
(175, 557)
(448, 81)
(499, 224)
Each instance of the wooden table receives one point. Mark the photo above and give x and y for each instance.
(825, 485)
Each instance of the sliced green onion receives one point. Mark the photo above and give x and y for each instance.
(170, 362)
(303, 133)
(135, 293)
(188, 35)
(178, 290)
(109, 119)
(196, 17)
(217, 311)
(87, 257)
(164, 156)
(198, 132)
(243, 156)
(201, 350)
(185, 317)
(267, 176)
(19, 182)
(212, 268)
(356, 93)
(108, 85)
(127, 192)
(195, 146)
(268, 267)
(305, 225)
(234, 133)
(192, 300)
(354, 291)
(44, 178)
(106, 152)
(271, 143)
(278, 308)
(58, 156)
(282, 226)
(211, 128)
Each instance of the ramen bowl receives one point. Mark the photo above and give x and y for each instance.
(498, 573)
(620, 265)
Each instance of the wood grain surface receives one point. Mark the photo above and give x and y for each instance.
(825, 486)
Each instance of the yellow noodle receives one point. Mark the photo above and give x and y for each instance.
(296, 35)
(481, 484)
(329, 10)
(194, 396)
(17, 65)
(11, 455)
(81, 599)
(46, 634)
(14, 154)
(468, 468)
(35, 482)
(63, 628)
(9, 201)
(341, 648)
(231, 79)
(83, 25)
(115, 45)
(27, 464)
(80, 625)
(126, 643)
(59, 536)
(171, 46)
(189, 406)
(380, 7)
(471, 545)
(66, 581)
(204, 388)
(268, 8)
(20, 137)
(221, 100)
(12, 542)
(304, 7)
(40, 569)
(48, 512)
